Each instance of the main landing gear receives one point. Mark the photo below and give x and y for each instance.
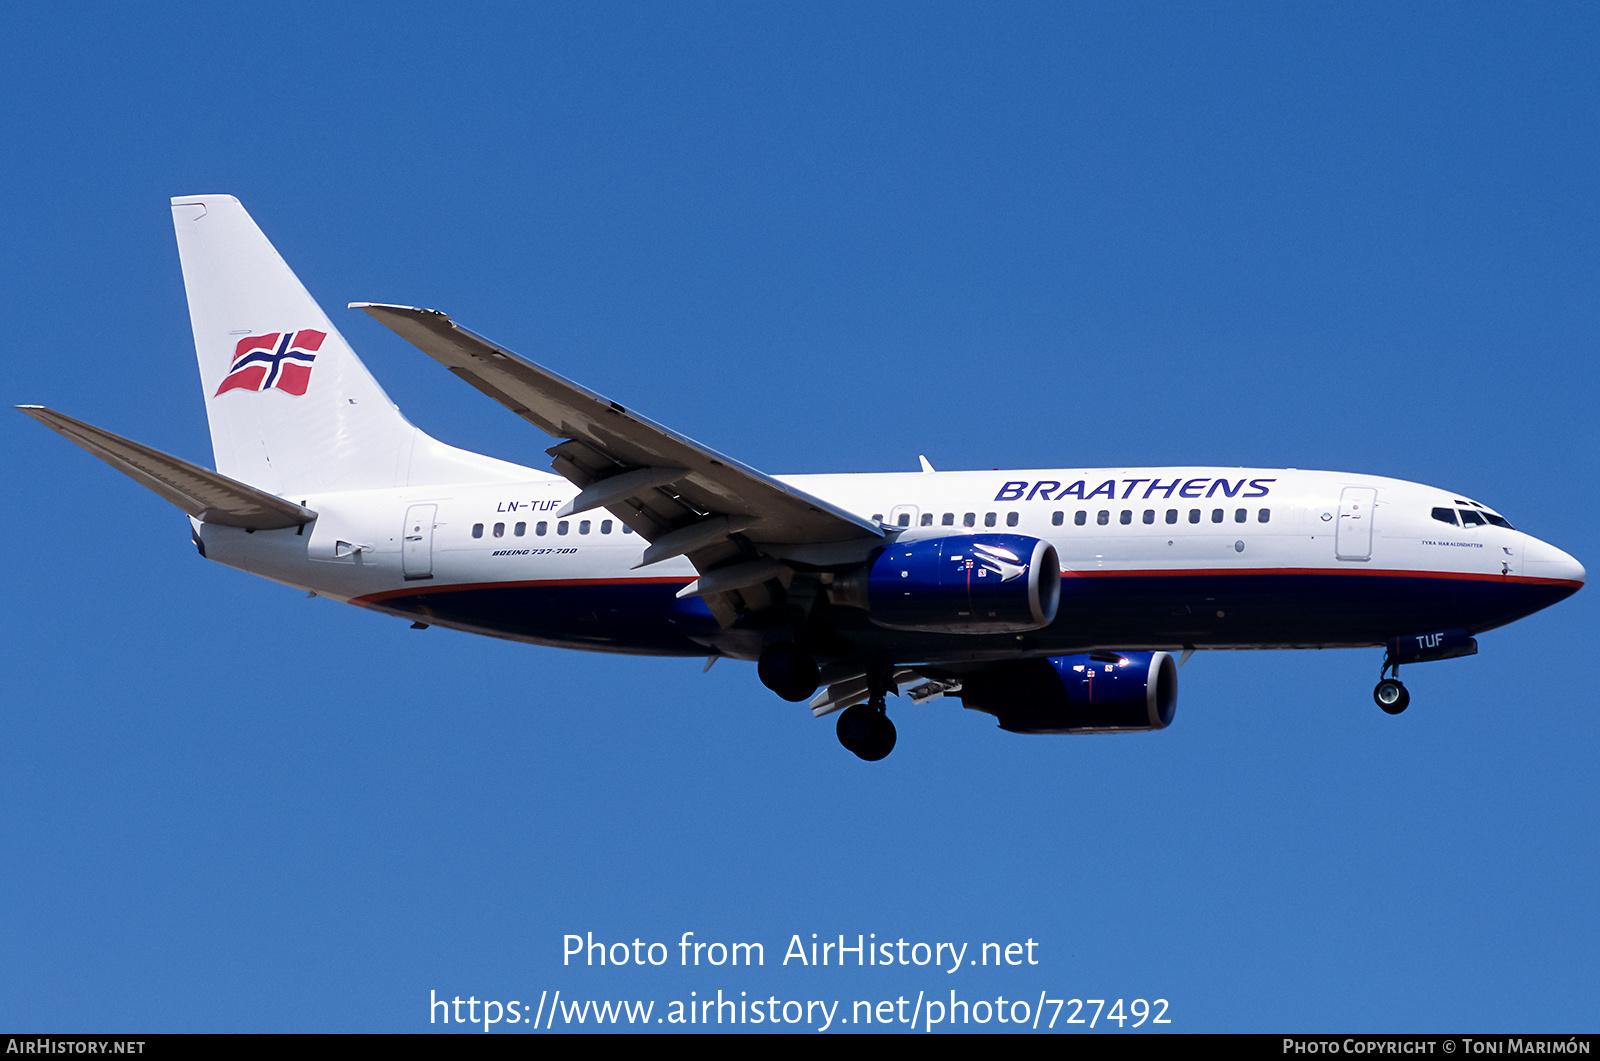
(866, 730)
(789, 671)
(1389, 693)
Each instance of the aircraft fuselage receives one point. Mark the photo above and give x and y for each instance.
(1152, 558)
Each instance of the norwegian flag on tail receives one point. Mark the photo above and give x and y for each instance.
(281, 359)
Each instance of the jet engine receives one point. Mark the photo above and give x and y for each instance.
(965, 584)
(1124, 692)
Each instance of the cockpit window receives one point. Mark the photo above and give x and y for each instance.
(1445, 515)
(1472, 515)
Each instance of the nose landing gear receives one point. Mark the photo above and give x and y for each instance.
(1391, 696)
(1389, 693)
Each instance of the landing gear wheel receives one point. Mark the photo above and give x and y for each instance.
(1391, 696)
(867, 732)
(788, 671)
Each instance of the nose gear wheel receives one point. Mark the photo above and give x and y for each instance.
(1391, 696)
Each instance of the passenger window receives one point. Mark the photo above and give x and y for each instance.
(1057, 518)
(1216, 515)
(1080, 517)
(1194, 515)
(583, 527)
(1149, 515)
(877, 517)
(626, 529)
(499, 530)
(477, 530)
(605, 526)
(1241, 515)
(1126, 517)
(1469, 518)
(948, 520)
(561, 528)
(1011, 519)
(541, 528)
(927, 519)
(970, 519)
(904, 520)
(1445, 515)
(1102, 517)
(988, 519)
(1264, 516)
(520, 529)
(1172, 515)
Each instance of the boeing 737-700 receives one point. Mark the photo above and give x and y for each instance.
(1052, 599)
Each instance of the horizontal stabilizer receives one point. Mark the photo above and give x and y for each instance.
(202, 493)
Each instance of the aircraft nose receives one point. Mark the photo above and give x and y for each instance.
(1543, 560)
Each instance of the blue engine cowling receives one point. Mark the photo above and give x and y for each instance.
(965, 584)
(1122, 693)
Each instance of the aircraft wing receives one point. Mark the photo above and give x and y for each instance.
(742, 529)
(201, 492)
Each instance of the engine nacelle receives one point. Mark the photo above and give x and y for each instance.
(1078, 694)
(963, 584)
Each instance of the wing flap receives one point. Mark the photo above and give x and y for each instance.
(207, 495)
(841, 694)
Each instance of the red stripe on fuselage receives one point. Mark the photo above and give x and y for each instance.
(456, 587)
(1526, 580)
(1462, 576)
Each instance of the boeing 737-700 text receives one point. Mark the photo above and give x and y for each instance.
(1051, 599)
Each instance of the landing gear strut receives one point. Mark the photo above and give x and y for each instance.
(1390, 694)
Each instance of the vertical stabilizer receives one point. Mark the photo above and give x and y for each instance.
(291, 407)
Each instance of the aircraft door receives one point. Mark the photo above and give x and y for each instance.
(903, 516)
(416, 542)
(1353, 540)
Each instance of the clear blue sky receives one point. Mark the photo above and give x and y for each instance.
(820, 238)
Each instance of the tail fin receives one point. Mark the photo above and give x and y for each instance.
(292, 409)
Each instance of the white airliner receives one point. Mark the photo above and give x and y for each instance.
(1052, 599)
